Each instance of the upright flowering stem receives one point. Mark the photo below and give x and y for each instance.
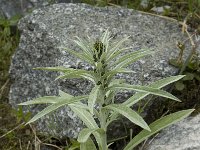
(100, 70)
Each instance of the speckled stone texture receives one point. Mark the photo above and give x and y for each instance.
(10, 8)
(184, 135)
(44, 30)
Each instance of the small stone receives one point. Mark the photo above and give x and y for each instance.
(160, 10)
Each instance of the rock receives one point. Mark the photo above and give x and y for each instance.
(160, 10)
(144, 3)
(10, 8)
(183, 135)
(44, 30)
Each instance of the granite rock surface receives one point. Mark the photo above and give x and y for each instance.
(11, 8)
(44, 30)
(183, 135)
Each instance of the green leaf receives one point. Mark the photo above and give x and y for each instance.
(7, 31)
(70, 72)
(85, 48)
(85, 116)
(116, 47)
(8, 45)
(189, 76)
(197, 76)
(157, 126)
(73, 74)
(93, 98)
(43, 100)
(81, 105)
(129, 113)
(119, 70)
(76, 74)
(140, 95)
(14, 20)
(3, 21)
(115, 55)
(58, 68)
(87, 119)
(124, 62)
(179, 86)
(65, 95)
(88, 145)
(151, 90)
(158, 84)
(116, 82)
(131, 55)
(89, 77)
(55, 106)
(105, 37)
(175, 63)
(86, 132)
(166, 81)
(49, 99)
(75, 145)
(81, 56)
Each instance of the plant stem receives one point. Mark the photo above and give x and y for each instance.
(103, 126)
(104, 141)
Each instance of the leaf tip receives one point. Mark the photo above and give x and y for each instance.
(21, 104)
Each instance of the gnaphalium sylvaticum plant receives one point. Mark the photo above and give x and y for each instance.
(100, 109)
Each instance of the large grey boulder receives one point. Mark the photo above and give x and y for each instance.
(44, 30)
(10, 8)
(184, 135)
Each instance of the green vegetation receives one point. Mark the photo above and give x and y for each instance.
(11, 125)
(9, 38)
(101, 110)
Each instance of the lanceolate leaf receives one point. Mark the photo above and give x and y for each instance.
(49, 99)
(157, 126)
(56, 106)
(148, 89)
(87, 119)
(158, 84)
(89, 77)
(140, 95)
(117, 53)
(115, 49)
(88, 145)
(93, 98)
(84, 47)
(131, 55)
(81, 56)
(166, 81)
(65, 95)
(70, 72)
(116, 82)
(129, 113)
(85, 116)
(125, 62)
(43, 100)
(120, 70)
(83, 44)
(58, 68)
(74, 145)
(75, 74)
(105, 37)
(81, 105)
(85, 134)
